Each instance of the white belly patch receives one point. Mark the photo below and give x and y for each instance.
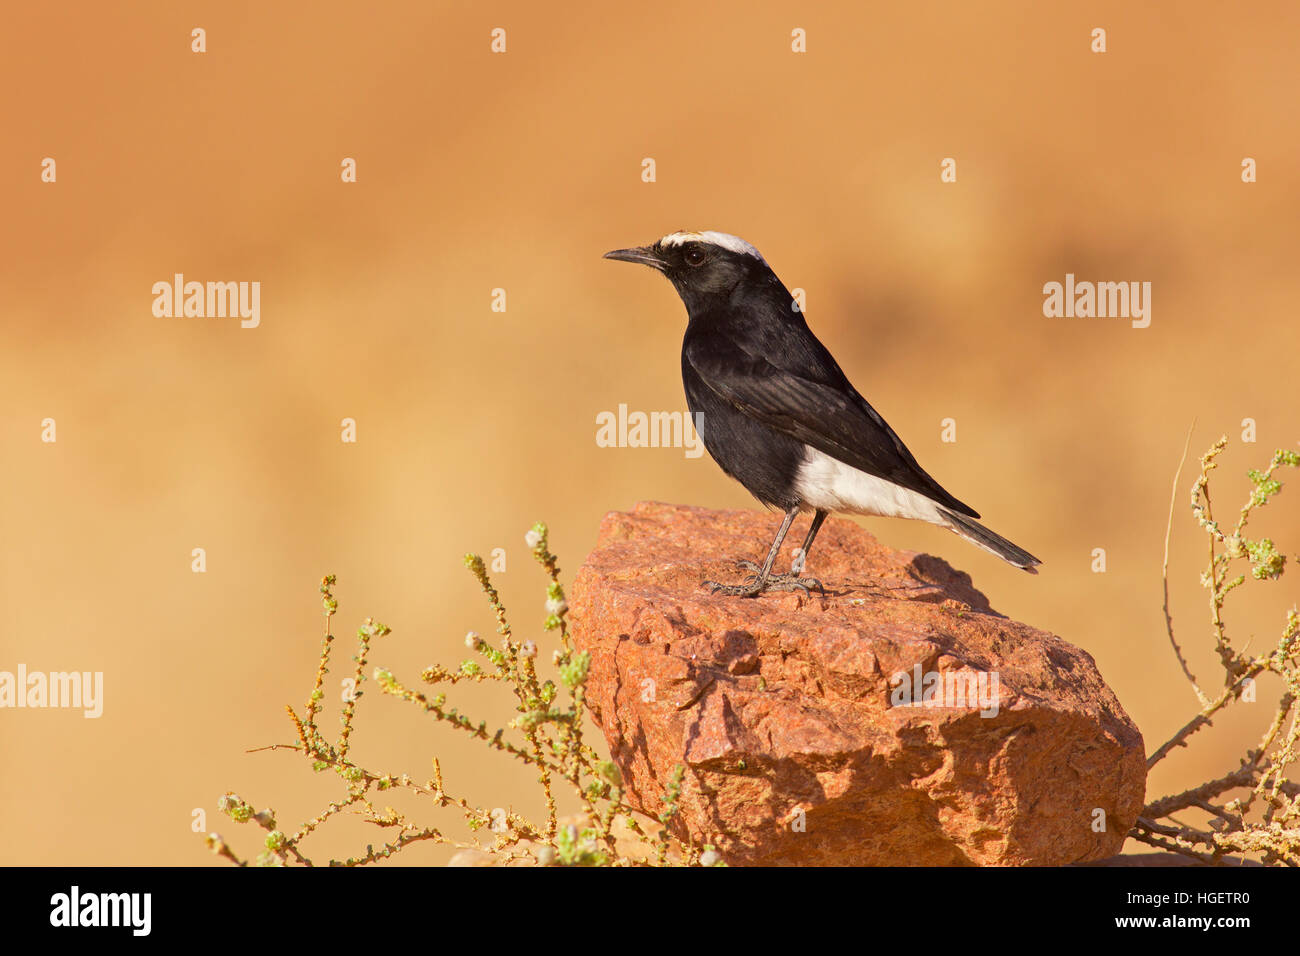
(828, 484)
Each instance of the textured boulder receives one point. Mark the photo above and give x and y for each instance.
(795, 718)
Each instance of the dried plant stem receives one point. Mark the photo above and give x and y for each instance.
(1164, 574)
(1264, 820)
(546, 736)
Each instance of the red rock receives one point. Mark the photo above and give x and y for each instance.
(783, 705)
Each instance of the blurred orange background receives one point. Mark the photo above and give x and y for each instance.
(479, 171)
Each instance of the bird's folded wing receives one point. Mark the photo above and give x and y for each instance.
(829, 417)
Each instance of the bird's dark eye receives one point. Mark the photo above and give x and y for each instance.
(695, 256)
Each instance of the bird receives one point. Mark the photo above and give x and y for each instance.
(777, 413)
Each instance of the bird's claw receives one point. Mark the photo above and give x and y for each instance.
(792, 582)
(751, 587)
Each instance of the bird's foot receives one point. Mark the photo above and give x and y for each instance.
(792, 582)
(754, 586)
(784, 582)
(750, 587)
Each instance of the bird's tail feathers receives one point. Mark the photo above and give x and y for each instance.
(982, 537)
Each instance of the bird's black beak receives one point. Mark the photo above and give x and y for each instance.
(646, 255)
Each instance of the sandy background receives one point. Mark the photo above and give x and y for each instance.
(479, 171)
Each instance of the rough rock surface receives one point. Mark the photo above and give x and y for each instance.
(786, 712)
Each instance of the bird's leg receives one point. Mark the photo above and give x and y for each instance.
(794, 579)
(762, 579)
(797, 565)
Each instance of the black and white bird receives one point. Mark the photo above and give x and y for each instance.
(778, 414)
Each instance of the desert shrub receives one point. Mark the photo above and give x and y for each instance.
(1254, 809)
(545, 733)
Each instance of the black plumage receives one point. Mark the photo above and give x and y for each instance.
(778, 414)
